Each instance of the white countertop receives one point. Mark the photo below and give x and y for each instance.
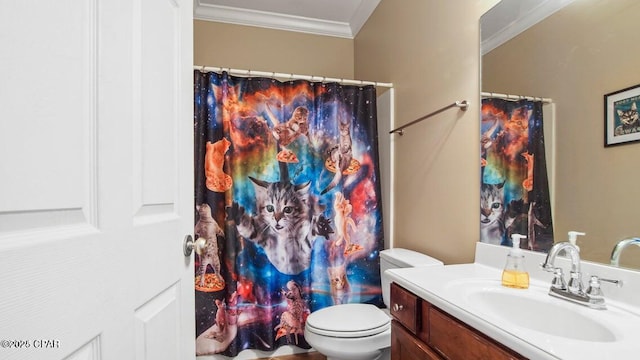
(436, 285)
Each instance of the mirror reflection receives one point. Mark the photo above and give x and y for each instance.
(574, 57)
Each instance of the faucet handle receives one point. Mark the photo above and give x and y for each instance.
(594, 286)
(575, 282)
(558, 280)
(597, 279)
(548, 267)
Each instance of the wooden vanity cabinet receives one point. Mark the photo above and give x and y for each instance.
(420, 330)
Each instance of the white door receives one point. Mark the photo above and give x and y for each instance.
(96, 179)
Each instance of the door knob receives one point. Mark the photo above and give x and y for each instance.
(189, 245)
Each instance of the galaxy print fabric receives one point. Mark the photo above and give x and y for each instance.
(288, 203)
(515, 195)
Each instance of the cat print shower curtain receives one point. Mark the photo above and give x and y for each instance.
(288, 202)
(514, 193)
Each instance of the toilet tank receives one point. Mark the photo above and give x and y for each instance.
(401, 258)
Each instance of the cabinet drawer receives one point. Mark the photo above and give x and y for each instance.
(404, 307)
(457, 341)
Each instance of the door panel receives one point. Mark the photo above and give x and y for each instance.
(96, 193)
(49, 132)
(155, 115)
(157, 327)
(89, 351)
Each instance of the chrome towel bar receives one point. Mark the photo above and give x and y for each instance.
(463, 105)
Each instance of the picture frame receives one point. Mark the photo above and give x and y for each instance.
(622, 116)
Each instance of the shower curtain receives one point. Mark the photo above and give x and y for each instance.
(288, 203)
(514, 193)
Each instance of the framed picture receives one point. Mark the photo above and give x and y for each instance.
(621, 119)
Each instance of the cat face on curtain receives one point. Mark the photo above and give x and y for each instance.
(282, 207)
(492, 213)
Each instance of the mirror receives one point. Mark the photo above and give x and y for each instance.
(575, 56)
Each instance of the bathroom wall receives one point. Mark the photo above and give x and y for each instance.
(576, 56)
(430, 51)
(254, 48)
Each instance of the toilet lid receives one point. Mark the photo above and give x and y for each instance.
(348, 320)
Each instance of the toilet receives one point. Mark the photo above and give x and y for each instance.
(361, 331)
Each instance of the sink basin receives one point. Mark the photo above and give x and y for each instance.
(549, 317)
(534, 310)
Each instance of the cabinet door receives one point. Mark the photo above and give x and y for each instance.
(405, 346)
(404, 307)
(452, 338)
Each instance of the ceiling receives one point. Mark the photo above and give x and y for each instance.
(344, 18)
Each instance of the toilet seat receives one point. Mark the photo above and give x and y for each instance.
(348, 321)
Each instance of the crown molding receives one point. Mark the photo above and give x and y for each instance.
(362, 14)
(271, 20)
(522, 23)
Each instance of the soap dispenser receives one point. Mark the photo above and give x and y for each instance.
(573, 236)
(514, 274)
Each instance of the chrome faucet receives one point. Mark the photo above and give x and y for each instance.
(575, 279)
(621, 245)
(574, 292)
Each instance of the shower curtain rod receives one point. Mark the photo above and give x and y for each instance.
(463, 105)
(516, 97)
(291, 76)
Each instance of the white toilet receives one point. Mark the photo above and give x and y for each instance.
(361, 331)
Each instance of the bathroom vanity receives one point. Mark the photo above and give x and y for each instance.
(463, 312)
(420, 330)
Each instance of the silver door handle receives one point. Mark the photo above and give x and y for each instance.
(189, 245)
